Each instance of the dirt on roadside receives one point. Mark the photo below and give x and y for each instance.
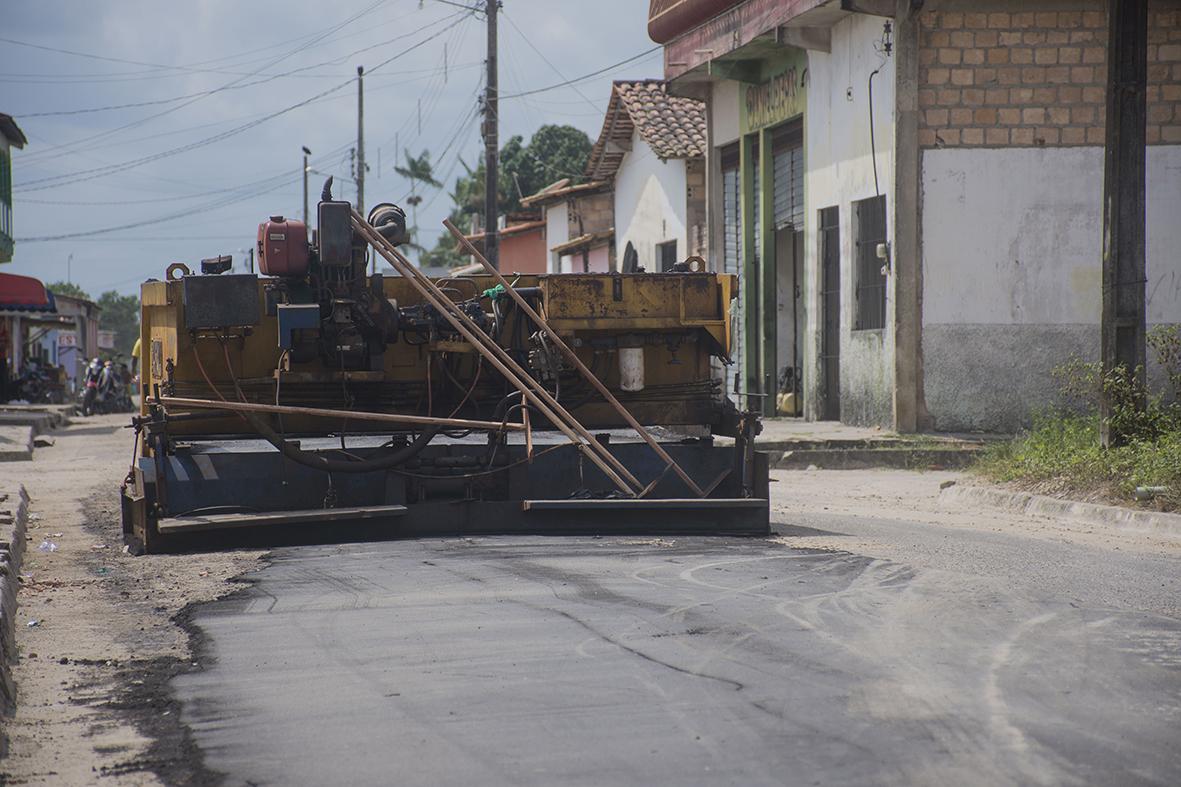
(101, 632)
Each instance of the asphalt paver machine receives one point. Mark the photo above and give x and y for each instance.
(321, 397)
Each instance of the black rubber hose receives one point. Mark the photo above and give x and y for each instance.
(317, 462)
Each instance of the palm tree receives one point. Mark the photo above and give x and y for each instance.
(417, 170)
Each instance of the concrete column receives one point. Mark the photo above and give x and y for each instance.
(909, 408)
(768, 281)
(750, 273)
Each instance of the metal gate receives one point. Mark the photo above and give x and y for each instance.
(830, 307)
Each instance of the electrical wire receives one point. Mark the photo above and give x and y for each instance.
(584, 77)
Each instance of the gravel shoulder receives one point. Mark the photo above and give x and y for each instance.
(101, 632)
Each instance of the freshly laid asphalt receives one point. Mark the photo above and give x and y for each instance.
(628, 661)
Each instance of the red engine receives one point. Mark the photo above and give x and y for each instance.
(283, 247)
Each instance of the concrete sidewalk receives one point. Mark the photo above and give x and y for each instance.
(797, 444)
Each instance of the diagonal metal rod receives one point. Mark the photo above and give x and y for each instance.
(574, 359)
(530, 389)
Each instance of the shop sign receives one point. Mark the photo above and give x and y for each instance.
(67, 338)
(781, 97)
(106, 340)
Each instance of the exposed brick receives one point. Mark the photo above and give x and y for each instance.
(984, 117)
(1070, 94)
(1021, 56)
(1094, 95)
(1024, 19)
(962, 76)
(1059, 116)
(996, 136)
(1094, 19)
(987, 38)
(1082, 36)
(1060, 74)
(1046, 19)
(1081, 75)
(1009, 38)
(953, 21)
(996, 96)
(975, 20)
(1170, 53)
(1152, 93)
(1160, 113)
(1074, 136)
(986, 76)
(998, 56)
(962, 39)
(1057, 37)
(1045, 96)
(999, 20)
(1048, 136)
(1070, 19)
(950, 57)
(1008, 76)
(1170, 92)
(926, 98)
(1021, 136)
(973, 97)
(1170, 134)
(1096, 135)
(938, 76)
(926, 137)
(949, 136)
(1070, 55)
(973, 57)
(972, 136)
(1046, 56)
(1158, 72)
(1033, 75)
(1021, 95)
(926, 56)
(961, 116)
(1152, 135)
(1033, 116)
(1094, 55)
(948, 97)
(1008, 116)
(939, 38)
(937, 117)
(1034, 37)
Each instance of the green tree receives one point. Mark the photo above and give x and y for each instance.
(417, 171)
(120, 313)
(553, 153)
(68, 288)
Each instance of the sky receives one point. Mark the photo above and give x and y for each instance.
(163, 132)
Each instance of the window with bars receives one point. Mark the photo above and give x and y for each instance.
(870, 218)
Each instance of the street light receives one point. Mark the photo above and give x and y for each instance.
(306, 153)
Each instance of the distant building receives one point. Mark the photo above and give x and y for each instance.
(522, 246)
(652, 149)
(10, 137)
(911, 193)
(579, 226)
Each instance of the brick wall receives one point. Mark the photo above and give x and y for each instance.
(1029, 78)
(695, 207)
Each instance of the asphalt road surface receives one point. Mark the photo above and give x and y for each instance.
(987, 659)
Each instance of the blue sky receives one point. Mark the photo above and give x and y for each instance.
(210, 145)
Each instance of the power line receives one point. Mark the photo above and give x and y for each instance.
(540, 54)
(584, 77)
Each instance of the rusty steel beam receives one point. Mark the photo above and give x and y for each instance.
(573, 358)
(530, 389)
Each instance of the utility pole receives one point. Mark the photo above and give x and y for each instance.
(1122, 326)
(491, 145)
(361, 140)
(306, 153)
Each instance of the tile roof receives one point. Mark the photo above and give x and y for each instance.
(674, 127)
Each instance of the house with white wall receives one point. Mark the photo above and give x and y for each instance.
(911, 193)
(579, 227)
(652, 148)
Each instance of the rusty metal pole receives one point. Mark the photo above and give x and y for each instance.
(1122, 326)
(573, 358)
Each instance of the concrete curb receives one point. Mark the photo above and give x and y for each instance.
(868, 458)
(14, 516)
(16, 443)
(1090, 513)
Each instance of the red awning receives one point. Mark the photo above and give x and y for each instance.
(23, 292)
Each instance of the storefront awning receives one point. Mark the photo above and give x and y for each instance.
(24, 293)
